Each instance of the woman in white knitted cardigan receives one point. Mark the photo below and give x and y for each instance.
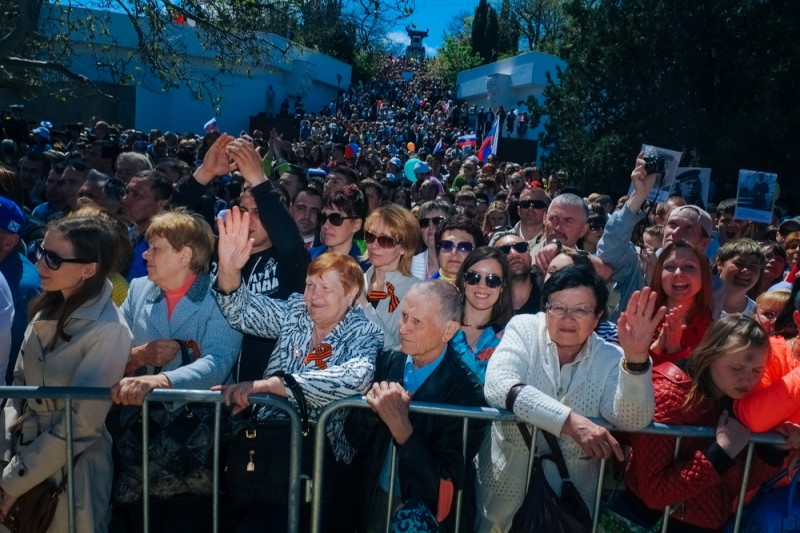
(570, 374)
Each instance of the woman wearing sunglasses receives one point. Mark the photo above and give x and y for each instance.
(391, 234)
(426, 263)
(78, 331)
(487, 307)
(455, 238)
(342, 217)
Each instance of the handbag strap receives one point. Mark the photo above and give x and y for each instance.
(552, 441)
(299, 396)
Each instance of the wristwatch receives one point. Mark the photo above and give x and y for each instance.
(635, 368)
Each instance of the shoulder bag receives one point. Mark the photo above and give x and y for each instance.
(257, 471)
(543, 509)
(33, 512)
(180, 448)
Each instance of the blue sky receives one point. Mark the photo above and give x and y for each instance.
(435, 16)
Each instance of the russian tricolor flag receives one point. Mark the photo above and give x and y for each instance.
(211, 126)
(489, 144)
(467, 140)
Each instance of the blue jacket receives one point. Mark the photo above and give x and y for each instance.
(196, 317)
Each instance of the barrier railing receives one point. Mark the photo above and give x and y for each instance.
(501, 415)
(70, 394)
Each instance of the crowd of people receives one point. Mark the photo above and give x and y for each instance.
(374, 256)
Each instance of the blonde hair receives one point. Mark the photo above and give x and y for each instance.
(403, 226)
(180, 228)
(777, 298)
(732, 333)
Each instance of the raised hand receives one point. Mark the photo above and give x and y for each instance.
(669, 339)
(247, 160)
(638, 323)
(216, 162)
(234, 247)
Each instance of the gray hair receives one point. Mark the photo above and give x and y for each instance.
(571, 200)
(142, 161)
(447, 295)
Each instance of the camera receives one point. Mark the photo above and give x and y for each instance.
(653, 163)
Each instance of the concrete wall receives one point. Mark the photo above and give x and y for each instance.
(300, 71)
(508, 81)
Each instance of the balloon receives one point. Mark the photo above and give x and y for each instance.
(411, 147)
(408, 168)
(355, 148)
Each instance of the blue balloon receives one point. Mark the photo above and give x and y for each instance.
(408, 169)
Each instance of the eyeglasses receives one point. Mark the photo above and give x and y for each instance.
(536, 204)
(425, 222)
(448, 247)
(336, 219)
(515, 182)
(493, 281)
(579, 313)
(519, 247)
(52, 260)
(384, 241)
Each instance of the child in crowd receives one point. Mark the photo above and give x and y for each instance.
(739, 263)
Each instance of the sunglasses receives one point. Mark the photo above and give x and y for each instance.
(52, 260)
(448, 247)
(336, 219)
(519, 247)
(493, 281)
(536, 204)
(425, 222)
(384, 241)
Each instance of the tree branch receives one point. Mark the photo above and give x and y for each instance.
(24, 63)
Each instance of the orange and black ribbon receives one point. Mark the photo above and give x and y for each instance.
(319, 354)
(394, 301)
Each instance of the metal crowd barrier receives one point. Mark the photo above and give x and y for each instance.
(501, 415)
(69, 394)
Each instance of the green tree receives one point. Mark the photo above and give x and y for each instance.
(491, 36)
(714, 77)
(541, 23)
(479, 27)
(453, 56)
(508, 35)
(38, 38)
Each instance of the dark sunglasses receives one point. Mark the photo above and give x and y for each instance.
(384, 241)
(536, 204)
(519, 247)
(425, 222)
(52, 260)
(336, 219)
(493, 281)
(448, 247)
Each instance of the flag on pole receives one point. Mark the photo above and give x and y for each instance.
(438, 149)
(489, 144)
(467, 140)
(211, 126)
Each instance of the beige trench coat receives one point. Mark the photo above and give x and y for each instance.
(35, 430)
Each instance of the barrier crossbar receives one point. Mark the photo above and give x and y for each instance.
(70, 394)
(501, 415)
